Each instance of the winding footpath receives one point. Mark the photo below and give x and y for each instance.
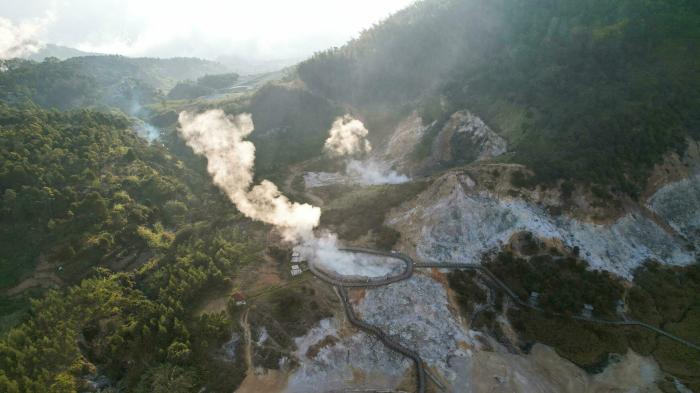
(342, 283)
(385, 339)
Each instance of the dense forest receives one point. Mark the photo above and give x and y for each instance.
(85, 195)
(205, 85)
(590, 90)
(103, 81)
(79, 187)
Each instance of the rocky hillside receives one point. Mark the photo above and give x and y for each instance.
(457, 220)
(591, 90)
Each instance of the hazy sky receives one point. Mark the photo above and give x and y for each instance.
(260, 29)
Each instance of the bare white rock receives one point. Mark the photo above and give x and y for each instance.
(356, 361)
(453, 223)
(679, 204)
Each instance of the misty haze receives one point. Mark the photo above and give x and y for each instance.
(331, 196)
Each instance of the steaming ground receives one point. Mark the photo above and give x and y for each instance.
(230, 160)
(450, 221)
(328, 258)
(146, 131)
(353, 264)
(347, 138)
(366, 172)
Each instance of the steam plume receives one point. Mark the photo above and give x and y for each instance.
(347, 137)
(373, 172)
(18, 40)
(231, 159)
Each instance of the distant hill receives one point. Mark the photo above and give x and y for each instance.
(203, 86)
(158, 73)
(245, 66)
(58, 51)
(116, 81)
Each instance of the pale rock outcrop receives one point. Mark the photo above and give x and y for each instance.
(404, 139)
(679, 204)
(454, 222)
(465, 137)
(355, 361)
(416, 312)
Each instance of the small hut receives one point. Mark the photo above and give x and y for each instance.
(239, 298)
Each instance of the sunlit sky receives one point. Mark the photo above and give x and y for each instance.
(256, 29)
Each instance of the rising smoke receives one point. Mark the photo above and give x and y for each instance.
(221, 139)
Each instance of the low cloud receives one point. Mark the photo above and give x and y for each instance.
(18, 40)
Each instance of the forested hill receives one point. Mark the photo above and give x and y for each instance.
(79, 188)
(82, 196)
(116, 81)
(592, 90)
(158, 73)
(58, 51)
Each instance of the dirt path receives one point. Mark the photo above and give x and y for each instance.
(271, 381)
(44, 276)
(385, 339)
(421, 374)
(248, 350)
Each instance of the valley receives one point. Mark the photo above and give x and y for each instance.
(444, 376)
(467, 196)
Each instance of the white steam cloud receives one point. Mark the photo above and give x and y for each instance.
(347, 137)
(221, 139)
(18, 40)
(373, 172)
(230, 157)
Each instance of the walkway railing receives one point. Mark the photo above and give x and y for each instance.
(341, 284)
